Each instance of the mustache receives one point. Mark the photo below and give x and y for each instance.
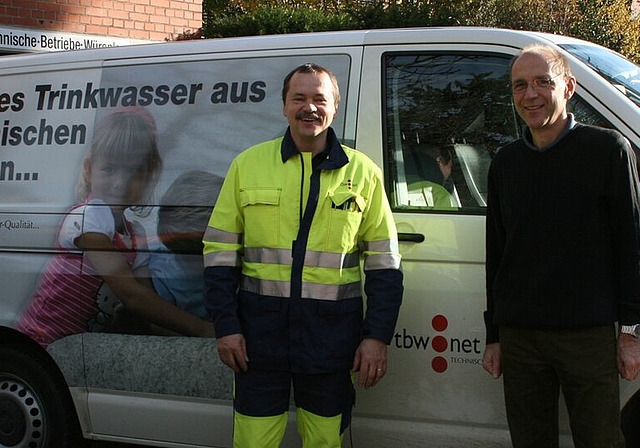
(307, 115)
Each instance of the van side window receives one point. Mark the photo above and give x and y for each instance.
(585, 113)
(446, 114)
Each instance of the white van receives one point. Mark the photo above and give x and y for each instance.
(408, 97)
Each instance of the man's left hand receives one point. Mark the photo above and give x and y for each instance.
(371, 362)
(628, 356)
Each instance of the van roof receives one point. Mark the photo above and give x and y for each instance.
(490, 36)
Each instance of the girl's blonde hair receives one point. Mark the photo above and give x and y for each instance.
(120, 135)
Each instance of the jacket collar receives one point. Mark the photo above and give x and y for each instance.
(331, 158)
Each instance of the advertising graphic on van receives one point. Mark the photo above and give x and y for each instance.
(43, 134)
(18, 224)
(445, 349)
(95, 98)
(111, 161)
(89, 97)
(45, 40)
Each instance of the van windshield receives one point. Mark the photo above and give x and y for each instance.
(622, 73)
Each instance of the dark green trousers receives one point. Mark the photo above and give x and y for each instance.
(538, 364)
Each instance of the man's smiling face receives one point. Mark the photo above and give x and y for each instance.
(309, 106)
(543, 110)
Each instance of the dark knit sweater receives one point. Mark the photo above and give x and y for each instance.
(562, 234)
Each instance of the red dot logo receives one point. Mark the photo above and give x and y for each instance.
(439, 344)
(439, 322)
(439, 364)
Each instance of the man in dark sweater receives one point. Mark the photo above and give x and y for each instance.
(562, 264)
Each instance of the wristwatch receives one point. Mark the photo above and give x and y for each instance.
(633, 330)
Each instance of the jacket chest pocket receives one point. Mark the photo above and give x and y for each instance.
(261, 210)
(345, 217)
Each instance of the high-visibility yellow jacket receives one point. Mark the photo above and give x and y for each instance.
(282, 256)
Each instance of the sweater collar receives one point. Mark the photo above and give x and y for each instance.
(528, 139)
(332, 157)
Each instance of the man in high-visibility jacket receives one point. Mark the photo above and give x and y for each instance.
(282, 250)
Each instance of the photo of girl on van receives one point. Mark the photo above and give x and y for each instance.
(101, 264)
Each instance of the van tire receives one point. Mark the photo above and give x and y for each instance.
(36, 410)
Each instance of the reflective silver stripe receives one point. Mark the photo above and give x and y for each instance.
(309, 290)
(382, 261)
(267, 256)
(312, 258)
(332, 260)
(220, 236)
(222, 258)
(382, 246)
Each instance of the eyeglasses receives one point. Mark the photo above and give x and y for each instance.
(536, 84)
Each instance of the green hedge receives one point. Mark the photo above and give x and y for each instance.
(271, 20)
(606, 22)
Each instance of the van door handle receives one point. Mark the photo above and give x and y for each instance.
(411, 237)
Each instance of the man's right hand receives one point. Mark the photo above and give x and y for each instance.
(232, 350)
(492, 360)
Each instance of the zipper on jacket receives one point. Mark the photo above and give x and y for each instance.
(299, 248)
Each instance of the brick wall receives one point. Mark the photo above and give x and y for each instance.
(135, 19)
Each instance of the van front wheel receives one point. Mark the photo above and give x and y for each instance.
(35, 407)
